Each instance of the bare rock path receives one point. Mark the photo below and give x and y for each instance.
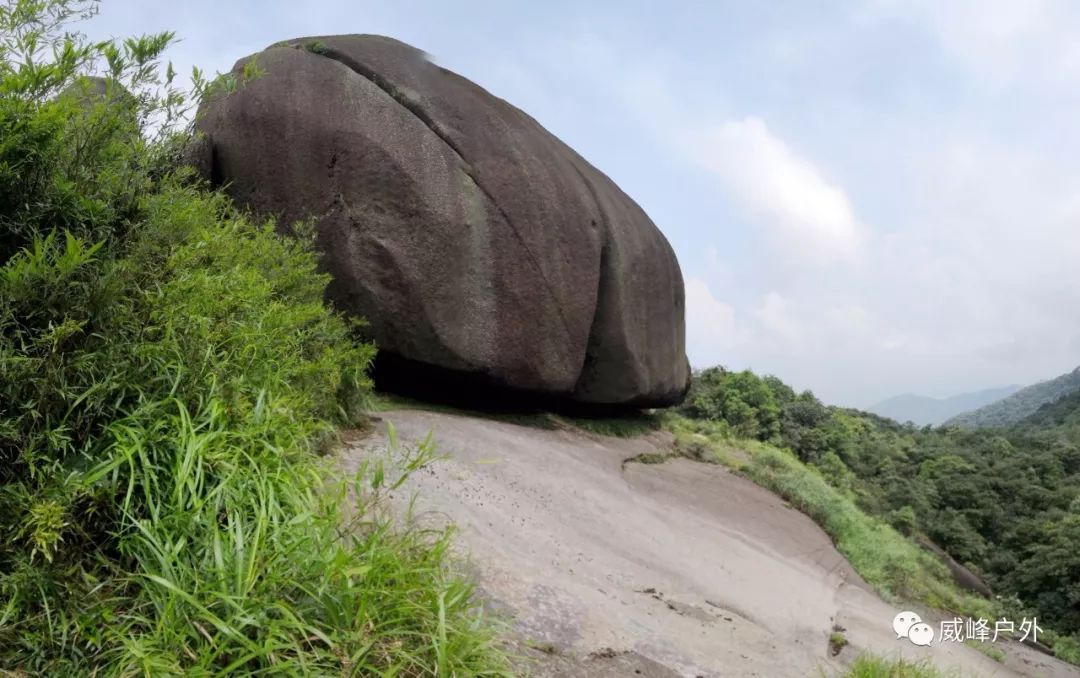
(673, 569)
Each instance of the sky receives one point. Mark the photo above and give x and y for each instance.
(866, 198)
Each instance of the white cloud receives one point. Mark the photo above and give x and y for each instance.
(807, 216)
(710, 322)
(776, 316)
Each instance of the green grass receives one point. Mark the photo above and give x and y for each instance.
(1066, 648)
(989, 649)
(649, 458)
(837, 642)
(872, 666)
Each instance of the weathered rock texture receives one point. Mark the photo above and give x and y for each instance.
(468, 235)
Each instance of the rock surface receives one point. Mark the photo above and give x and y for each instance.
(470, 237)
(606, 566)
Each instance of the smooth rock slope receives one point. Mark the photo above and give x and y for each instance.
(470, 237)
(627, 569)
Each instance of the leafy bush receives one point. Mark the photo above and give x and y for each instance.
(763, 408)
(168, 372)
(872, 666)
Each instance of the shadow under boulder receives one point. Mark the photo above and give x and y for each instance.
(478, 392)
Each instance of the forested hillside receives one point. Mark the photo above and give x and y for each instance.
(1058, 420)
(1019, 405)
(1003, 501)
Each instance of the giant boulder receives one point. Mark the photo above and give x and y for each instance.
(473, 240)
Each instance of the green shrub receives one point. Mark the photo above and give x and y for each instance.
(1066, 647)
(837, 642)
(168, 374)
(872, 666)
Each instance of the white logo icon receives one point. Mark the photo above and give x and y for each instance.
(902, 622)
(921, 634)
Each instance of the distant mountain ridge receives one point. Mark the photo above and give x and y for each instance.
(1057, 419)
(1021, 404)
(923, 410)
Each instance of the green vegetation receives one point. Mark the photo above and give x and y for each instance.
(871, 666)
(1003, 502)
(989, 649)
(837, 642)
(1057, 420)
(648, 458)
(168, 374)
(1025, 402)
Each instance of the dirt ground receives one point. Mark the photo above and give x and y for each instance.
(612, 568)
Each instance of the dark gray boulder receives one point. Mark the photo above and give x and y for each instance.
(470, 237)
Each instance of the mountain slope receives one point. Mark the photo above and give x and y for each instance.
(1057, 420)
(1019, 405)
(923, 410)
